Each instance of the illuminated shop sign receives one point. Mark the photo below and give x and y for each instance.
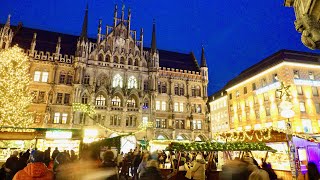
(268, 88)
(58, 135)
(306, 82)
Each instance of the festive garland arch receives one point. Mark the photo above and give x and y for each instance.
(217, 146)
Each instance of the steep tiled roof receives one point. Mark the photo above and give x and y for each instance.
(278, 57)
(47, 40)
(177, 60)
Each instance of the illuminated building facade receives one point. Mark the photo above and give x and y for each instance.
(253, 100)
(127, 84)
(219, 114)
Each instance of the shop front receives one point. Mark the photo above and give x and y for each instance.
(15, 141)
(64, 140)
(305, 149)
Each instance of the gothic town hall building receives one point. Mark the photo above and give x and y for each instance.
(127, 83)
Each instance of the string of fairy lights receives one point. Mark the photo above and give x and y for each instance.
(15, 96)
(90, 110)
(260, 135)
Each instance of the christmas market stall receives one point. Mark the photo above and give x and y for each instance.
(293, 151)
(210, 152)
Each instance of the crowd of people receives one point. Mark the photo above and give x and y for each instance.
(134, 165)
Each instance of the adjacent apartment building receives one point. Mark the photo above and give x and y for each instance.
(253, 101)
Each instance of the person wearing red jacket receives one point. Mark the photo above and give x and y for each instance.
(36, 169)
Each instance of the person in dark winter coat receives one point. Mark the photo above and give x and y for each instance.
(267, 167)
(11, 165)
(46, 157)
(313, 172)
(23, 161)
(152, 171)
(55, 153)
(110, 165)
(136, 162)
(235, 170)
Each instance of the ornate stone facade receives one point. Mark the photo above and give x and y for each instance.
(127, 83)
(307, 21)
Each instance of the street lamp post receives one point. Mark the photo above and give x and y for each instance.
(287, 112)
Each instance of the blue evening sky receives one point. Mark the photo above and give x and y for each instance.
(235, 33)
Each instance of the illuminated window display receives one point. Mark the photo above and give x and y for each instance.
(8, 146)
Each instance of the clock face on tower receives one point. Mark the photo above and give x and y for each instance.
(120, 41)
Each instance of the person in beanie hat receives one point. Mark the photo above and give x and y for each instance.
(36, 169)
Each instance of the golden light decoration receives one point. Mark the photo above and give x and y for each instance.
(261, 135)
(15, 96)
(85, 108)
(284, 91)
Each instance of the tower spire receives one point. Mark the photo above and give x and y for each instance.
(8, 21)
(84, 31)
(122, 12)
(153, 40)
(115, 15)
(203, 59)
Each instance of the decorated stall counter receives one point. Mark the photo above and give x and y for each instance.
(209, 153)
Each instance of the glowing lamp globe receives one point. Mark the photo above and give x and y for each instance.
(287, 113)
(286, 105)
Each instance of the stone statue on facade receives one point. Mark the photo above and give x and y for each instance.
(310, 30)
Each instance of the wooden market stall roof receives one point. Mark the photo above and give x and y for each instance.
(262, 135)
(218, 146)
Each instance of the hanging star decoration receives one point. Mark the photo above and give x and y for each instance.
(284, 91)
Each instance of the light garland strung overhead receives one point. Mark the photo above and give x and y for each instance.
(260, 135)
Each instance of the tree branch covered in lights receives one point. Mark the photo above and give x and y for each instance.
(15, 96)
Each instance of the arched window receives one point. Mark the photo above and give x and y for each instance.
(131, 102)
(181, 90)
(198, 91)
(193, 91)
(146, 85)
(161, 137)
(116, 59)
(84, 99)
(176, 89)
(116, 101)
(122, 60)
(100, 100)
(117, 81)
(132, 82)
(145, 104)
(136, 62)
(107, 58)
(130, 61)
(100, 57)
(179, 137)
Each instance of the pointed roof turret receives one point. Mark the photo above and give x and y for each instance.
(84, 31)
(203, 59)
(8, 21)
(153, 40)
